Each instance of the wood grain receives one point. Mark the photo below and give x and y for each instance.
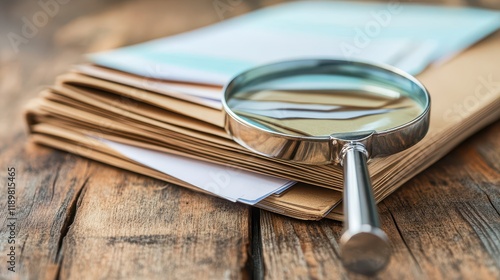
(79, 219)
(131, 227)
(48, 184)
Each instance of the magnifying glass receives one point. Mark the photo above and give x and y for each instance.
(332, 112)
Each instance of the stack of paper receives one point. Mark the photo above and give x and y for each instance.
(155, 108)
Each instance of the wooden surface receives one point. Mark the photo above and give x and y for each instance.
(79, 219)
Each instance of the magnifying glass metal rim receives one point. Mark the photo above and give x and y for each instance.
(377, 143)
(364, 247)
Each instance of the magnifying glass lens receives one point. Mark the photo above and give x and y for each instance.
(323, 105)
(332, 112)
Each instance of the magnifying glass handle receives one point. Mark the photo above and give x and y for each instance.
(364, 247)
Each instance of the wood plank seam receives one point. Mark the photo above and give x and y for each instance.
(256, 257)
(403, 239)
(70, 218)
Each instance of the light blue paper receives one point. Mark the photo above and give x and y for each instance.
(407, 36)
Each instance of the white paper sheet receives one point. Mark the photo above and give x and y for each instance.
(230, 183)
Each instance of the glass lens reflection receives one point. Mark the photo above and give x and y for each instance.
(321, 105)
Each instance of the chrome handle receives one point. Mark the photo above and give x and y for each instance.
(364, 247)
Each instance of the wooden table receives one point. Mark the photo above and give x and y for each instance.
(79, 219)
